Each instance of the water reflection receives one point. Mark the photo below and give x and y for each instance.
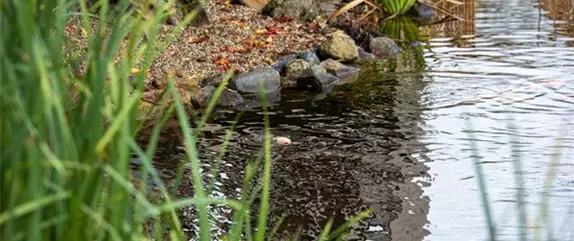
(517, 62)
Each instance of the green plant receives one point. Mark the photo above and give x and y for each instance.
(398, 7)
(65, 160)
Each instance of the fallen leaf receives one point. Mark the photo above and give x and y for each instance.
(222, 61)
(261, 31)
(275, 29)
(197, 40)
(240, 49)
(284, 19)
(224, 68)
(240, 24)
(269, 40)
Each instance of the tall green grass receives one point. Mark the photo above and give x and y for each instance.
(66, 140)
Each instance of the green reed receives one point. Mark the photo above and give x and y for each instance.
(66, 140)
(542, 218)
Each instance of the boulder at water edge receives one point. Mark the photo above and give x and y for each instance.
(364, 55)
(384, 47)
(227, 98)
(318, 80)
(249, 82)
(340, 70)
(340, 46)
(295, 69)
(309, 56)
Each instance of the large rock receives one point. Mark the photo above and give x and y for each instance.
(297, 9)
(364, 55)
(295, 69)
(252, 102)
(255, 4)
(280, 66)
(340, 46)
(422, 13)
(384, 47)
(309, 56)
(318, 80)
(340, 70)
(250, 82)
(227, 98)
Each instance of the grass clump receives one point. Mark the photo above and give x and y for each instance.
(65, 158)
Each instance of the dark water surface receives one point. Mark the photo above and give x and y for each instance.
(396, 139)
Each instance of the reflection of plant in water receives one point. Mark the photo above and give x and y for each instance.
(401, 28)
(406, 33)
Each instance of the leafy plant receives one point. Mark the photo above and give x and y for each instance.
(398, 7)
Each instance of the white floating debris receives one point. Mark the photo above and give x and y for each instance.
(375, 229)
(281, 140)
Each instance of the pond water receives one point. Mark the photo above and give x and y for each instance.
(396, 140)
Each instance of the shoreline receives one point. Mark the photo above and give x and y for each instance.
(280, 52)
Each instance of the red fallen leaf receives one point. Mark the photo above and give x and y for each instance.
(284, 19)
(313, 25)
(275, 29)
(224, 68)
(222, 61)
(237, 71)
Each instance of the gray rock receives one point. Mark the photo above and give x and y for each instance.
(294, 70)
(423, 13)
(228, 97)
(340, 46)
(340, 70)
(309, 56)
(364, 55)
(384, 47)
(297, 9)
(249, 82)
(318, 80)
(254, 101)
(280, 66)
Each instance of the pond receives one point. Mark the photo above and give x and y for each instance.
(396, 140)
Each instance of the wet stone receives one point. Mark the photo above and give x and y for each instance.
(309, 56)
(319, 80)
(384, 47)
(280, 66)
(338, 69)
(228, 97)
(250, 82)
(340, 46)
(364, 55)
